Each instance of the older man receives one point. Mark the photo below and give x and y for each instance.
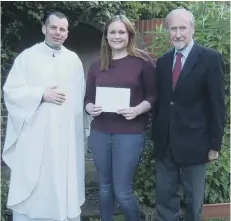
(44, 145)
(190, 116)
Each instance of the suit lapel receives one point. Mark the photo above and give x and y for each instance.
(189, 64)
(168, 69)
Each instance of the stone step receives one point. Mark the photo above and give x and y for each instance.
(149, 215)
(90, 209)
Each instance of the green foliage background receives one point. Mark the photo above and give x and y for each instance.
(22, 20)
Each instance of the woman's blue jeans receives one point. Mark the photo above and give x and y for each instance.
(116, 158)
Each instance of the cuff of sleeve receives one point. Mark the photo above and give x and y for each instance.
(85, 104)
(215, 146)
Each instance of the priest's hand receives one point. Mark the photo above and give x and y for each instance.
(93, 110)
(51, 95)
(129, 113)
(213, 155)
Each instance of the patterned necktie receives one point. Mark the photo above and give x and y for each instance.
(176, 70)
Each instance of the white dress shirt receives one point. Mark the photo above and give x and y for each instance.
(185, 52)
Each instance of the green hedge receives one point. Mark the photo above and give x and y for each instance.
(4, 193)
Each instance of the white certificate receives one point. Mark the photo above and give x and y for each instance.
(112, 99)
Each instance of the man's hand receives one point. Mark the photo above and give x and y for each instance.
(213, 155)
(93, 110)
(50, 95)
(129, 113)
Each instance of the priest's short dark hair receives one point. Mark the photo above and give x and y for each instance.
(56, 13)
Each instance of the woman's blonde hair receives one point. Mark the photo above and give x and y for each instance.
(106, 51)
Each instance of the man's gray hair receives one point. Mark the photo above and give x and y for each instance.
(178, 10)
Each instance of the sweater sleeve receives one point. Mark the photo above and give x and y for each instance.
(90, 87)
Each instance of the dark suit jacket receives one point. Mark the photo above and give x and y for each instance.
(190, 120)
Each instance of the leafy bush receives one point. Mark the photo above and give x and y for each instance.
(218, 175)
(5, 212)
(21, 20)
(213, 31)
(145, 176)
(143, 10)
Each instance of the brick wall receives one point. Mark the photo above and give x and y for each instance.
(144, 26)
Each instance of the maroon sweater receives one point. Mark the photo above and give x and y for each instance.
(128, 72)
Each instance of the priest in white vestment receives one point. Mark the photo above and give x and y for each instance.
(46, 129)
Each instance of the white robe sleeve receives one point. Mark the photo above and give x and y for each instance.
(86, 117)
(21, 102)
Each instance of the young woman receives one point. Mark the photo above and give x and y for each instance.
(117, 139)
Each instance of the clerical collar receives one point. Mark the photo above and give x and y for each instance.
(45, 48)
(53, 48)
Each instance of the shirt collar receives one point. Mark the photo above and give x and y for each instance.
(186, 50)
